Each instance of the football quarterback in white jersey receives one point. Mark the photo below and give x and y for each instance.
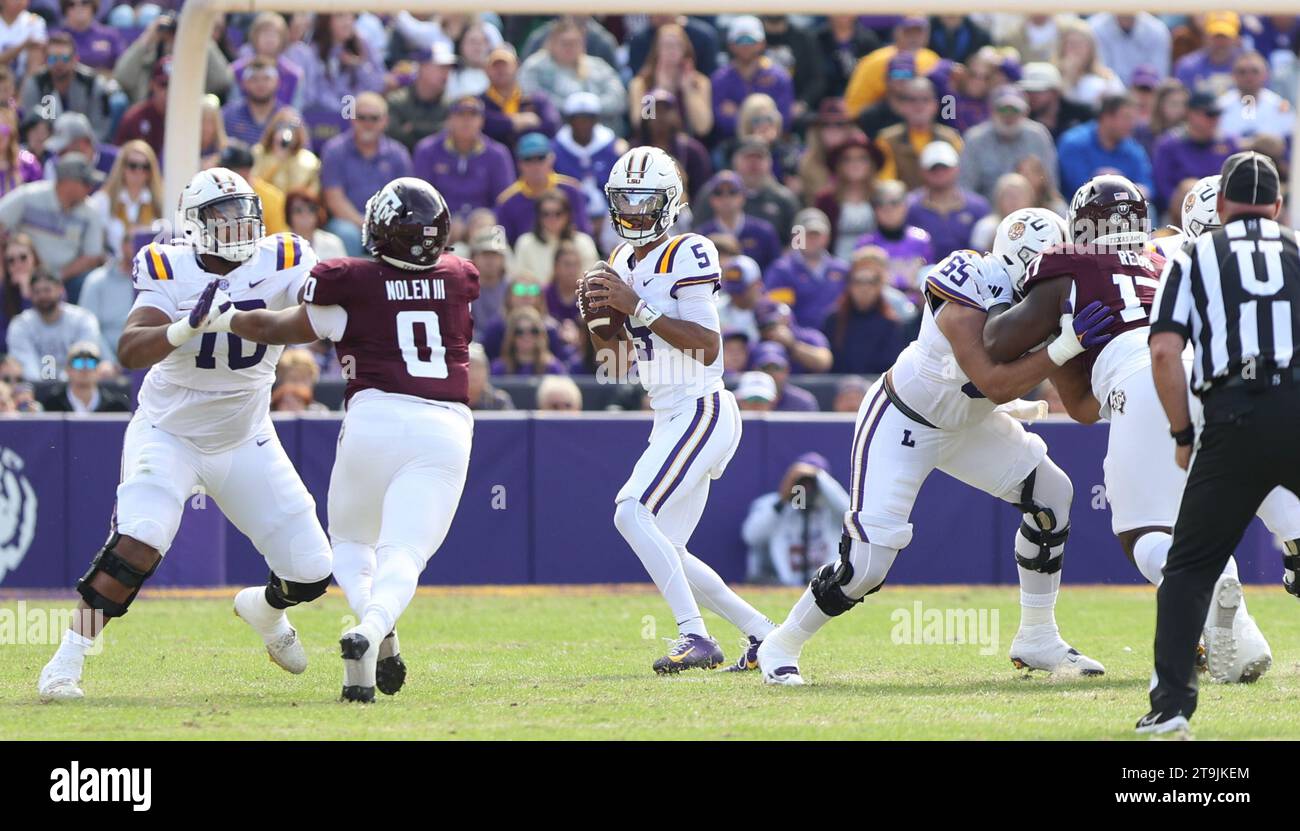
(665, 284)
(203, 424)
(946, 405)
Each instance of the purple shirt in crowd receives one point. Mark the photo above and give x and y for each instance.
(908, 250)
(242, 125)
(810, 292)
(99, 46)
(1177, 157)
(796, 400)
(517, 206)
(497, 124)
(474, 180)
(290, 77)
(558, 307)
(757, 238)
(730, 89)
(951, 231)
(1197, 72)
(343, 166)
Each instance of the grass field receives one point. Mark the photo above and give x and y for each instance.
(542, 662)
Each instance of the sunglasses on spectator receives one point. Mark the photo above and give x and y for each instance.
(528, 330)
(304, 208)
(533, 158)
(84, 362)
(525, 290)
(18, 258)
(726, 192)
(53, 60)
(138, 166)
(890, 203)
(11, 379)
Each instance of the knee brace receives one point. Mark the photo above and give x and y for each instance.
(1047, 531)
(109, 563)
(282, 594)
(828, 584)
(1291, 562)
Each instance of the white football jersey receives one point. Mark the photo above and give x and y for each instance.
(926, 375)
(678, 277)
(1168, 246)
(215, 389)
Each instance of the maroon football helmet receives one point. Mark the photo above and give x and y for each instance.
(407, 224)
(1110, 211)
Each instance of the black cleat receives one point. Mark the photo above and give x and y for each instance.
(390, 670)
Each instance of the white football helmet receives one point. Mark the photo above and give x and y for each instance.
(219, 214)
(1201, 207)
(645, 194)
(1021, 236)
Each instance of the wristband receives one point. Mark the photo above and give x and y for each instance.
(180, 331)
(1185, 436)
(646, 314)
(1064, 348)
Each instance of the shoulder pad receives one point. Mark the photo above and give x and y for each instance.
(952, 280)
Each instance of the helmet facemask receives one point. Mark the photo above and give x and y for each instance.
(229, 228)
(641, 215)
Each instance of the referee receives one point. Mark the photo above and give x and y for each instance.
(1235, 294)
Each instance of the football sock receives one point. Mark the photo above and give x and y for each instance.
(396, 575)
(1037, 590)
(266, 620)
(657, 554)
(354, 570)
(802, 623)
(72, 650)
(713, 593)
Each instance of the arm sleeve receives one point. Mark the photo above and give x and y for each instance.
(696, 305)
(329, 322)
(1172, 309)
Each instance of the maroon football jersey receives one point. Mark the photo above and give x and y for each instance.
(1125, 281)
(408, 332)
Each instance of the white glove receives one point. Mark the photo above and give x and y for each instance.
(218, 308)
(1027, 411)
(993, 282)
(1065, 346)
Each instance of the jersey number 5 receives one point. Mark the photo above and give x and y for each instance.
(435, 366)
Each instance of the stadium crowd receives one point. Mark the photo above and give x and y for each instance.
(831, 160)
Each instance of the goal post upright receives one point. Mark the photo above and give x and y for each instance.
(197, 17)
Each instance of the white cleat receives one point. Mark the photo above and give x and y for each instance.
(1042, 648)
(777, 665)
(284, 649)
(1221, 644)
(59, 682)
(1156, 725)
(1254, 658)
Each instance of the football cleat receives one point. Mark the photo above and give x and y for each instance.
(1221, 646)
(390, 669)
(748, 659)
(359, 659)
(284, 649)
(1041, 648)
(1254, 658)
(690, 651)
(1175, 726)
(59, 682)
(777, 665)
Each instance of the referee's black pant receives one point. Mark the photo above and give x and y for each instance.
(1250, 444)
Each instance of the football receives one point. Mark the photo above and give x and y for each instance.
(603, 321)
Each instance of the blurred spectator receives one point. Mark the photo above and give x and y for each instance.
(765, 197)
(596, 39)
(212, 132)
(868, 82)
(558, 393)
(1046, 194)
(1106, 143)
(1127, 41)
(1250, 108)
(21, 261)
(794, 47)
(470, 75)
(907, 246)
(237, 158)
(849, 394)
(1042, 85)
(842, 42)
(760, 121)
(131, 198)
(1209, 69)
(108, 292)
(665, 132)
(864, 331)
(516, 207)
(82, 392)
(268, 37)
(771, 358)
(66, 84)
(355, 164)
(1084, 77)
(805, 347)
(735, 353)
(17, 164)
(248, 119)
(586, 150)
(795, 530)
(420, 110)
(808, 278)
(702, 35)
(73, 134)
(22, 34)
(1147, 90)
(523, 292)
(305, 215)
(829, 130)
(941, 207)
(1012, 193)
(297, 365)
(535, 250)
(563, 67)
(756, 392)
(969, 87)
(901, 144)
(742, 284)
(292, 398)
(1037, 36)
(995, 147)
(68, 233)
(482, 395)
(888, 111)
(847, 200)
(562, 296)
(7, 405)
(672, 66)
(135, 69)
(724, 198)
(282, 156)
(42, 336)
(749, 71)
(1192, 150)
(488, 250)
(469, 169)
(510, 112)
(146, 119)
(957, 37)
(337, 64)
(524, 349)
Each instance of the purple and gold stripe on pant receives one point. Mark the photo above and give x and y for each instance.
(683, 455)
(861, 448)
(287, 254)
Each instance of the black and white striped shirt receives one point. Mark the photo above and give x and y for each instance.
(1235, 294)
